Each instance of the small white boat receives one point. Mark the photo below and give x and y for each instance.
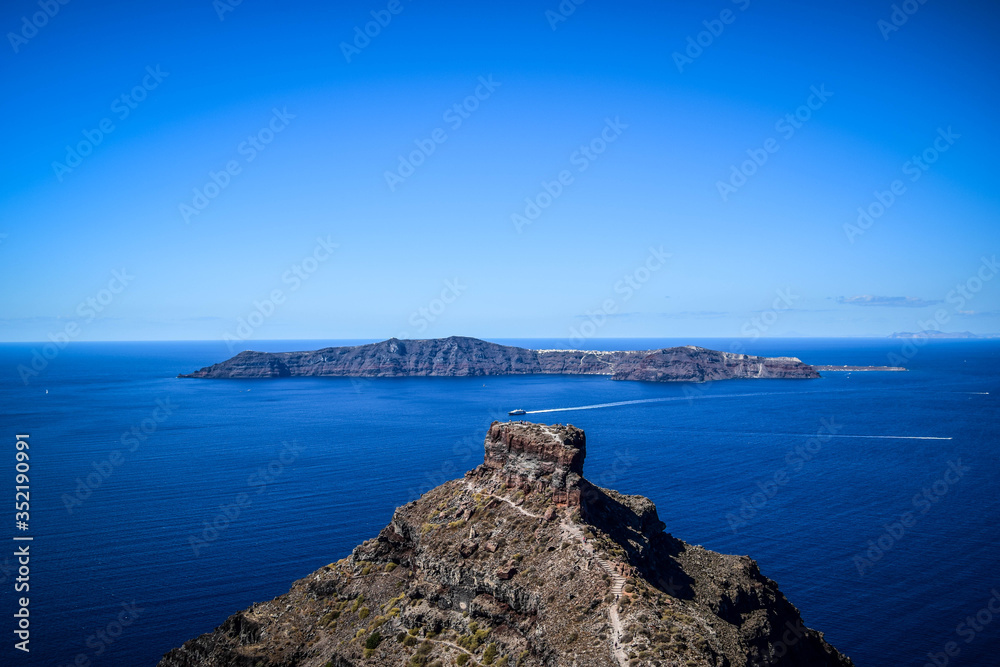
(519, 411)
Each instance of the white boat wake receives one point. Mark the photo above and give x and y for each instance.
(766, 393)
(829, 435)
(656, 400)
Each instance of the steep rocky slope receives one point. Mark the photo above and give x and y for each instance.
(460, 356)
(522, 562)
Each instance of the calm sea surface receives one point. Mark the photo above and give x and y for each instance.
(131, 467)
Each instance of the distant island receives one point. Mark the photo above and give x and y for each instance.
(522, 562)
(930, 333)
(459, 356)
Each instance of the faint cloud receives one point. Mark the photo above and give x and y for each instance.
(696, 313)
(678, 315)
(888, 301)
(978, 313)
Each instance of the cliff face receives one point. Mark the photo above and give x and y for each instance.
(534, 457)
(522, 562)
(460, 356)
(698, 364)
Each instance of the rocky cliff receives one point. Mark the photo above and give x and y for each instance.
(522, 562)
(460, 356)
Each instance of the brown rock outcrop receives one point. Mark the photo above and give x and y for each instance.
(540, 593)
(536, 457)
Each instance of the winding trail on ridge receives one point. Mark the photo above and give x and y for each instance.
(617, 580)
(617, 587)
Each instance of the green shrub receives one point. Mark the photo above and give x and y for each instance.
(462, 659)
(374, 639)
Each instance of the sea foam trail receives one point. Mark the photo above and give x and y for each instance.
(658, 400)
(763, 393)
(824, 436)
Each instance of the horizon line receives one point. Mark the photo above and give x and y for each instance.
(596, 338)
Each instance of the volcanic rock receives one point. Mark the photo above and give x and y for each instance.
(599, 585)
(461, 356)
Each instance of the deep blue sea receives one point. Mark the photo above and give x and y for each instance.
(885, 542)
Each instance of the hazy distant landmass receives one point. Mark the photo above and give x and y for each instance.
(930, 333)
(460, 356)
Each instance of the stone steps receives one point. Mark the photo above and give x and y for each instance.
(618, 584)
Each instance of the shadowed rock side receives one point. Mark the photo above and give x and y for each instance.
(460, 356)
(522, 562)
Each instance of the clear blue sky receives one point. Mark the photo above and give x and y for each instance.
(673, 128)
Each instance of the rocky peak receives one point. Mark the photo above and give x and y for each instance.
(554, 572)
(536, 457)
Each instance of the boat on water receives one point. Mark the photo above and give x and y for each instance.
(519, 411)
